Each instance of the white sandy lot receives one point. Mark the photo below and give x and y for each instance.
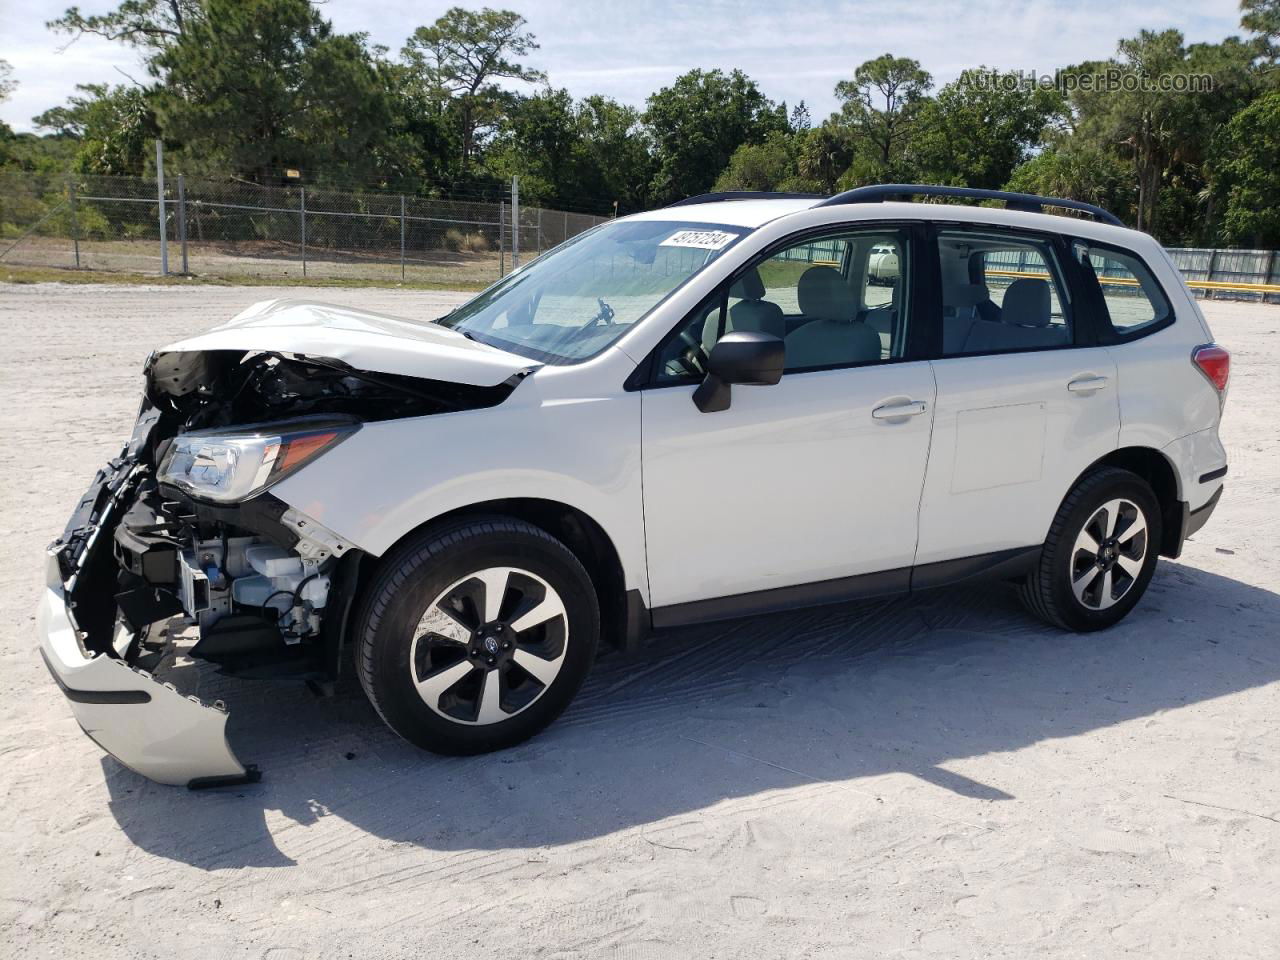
(941, 776)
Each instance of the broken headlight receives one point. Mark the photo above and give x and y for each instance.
(233, 464)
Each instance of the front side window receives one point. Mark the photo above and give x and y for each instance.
(1000, 293)
(576, 300)
(834, 301)
(1133, 299)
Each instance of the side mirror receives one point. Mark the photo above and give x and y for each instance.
(742, 357)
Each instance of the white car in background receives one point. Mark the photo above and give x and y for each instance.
(882, 265)
(690, 414)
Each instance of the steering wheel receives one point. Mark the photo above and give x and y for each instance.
(695, 358)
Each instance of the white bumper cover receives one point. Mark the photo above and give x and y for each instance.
(148, 726)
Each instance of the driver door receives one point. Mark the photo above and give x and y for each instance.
(806, 491)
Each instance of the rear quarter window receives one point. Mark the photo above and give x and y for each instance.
(1135, 304)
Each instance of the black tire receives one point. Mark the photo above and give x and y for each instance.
(1047, 591)
(414, 575)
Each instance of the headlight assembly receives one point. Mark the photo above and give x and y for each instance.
(234, 463)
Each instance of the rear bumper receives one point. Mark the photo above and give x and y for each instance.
(1194, 520)
(147, 725)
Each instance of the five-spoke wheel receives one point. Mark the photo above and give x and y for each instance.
(477, 634)
(1100, 553)
(489, 645)
(1109, 553)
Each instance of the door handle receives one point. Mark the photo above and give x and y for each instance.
(1087, 384)
(894, 411)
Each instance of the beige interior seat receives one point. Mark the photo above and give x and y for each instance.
(832, 334)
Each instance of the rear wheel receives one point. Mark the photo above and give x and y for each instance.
(1100, 554)
(477, 635)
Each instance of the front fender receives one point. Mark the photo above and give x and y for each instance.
(395, 475)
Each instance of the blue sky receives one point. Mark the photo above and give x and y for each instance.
(794, 50)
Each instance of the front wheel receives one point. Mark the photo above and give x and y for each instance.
(1100, 554)
(475, 636)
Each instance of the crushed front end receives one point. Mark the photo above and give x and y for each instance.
(183, 524)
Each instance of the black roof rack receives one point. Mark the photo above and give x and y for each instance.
(743, 195)
(1027, 202)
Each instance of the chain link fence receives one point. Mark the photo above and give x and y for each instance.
(236, 229)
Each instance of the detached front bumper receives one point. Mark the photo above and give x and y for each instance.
(147, 725)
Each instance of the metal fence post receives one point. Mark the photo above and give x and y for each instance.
(164, 233)
(515, 223)
(182, 220)
(75, 220)
(1269, 275)
(566, 227)
(402, 222)
(502, 238)
(1213, 263)
(539, 231)
(302, 226)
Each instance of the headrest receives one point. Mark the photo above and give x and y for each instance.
(966, 295)
(823, 294)
(1026, 303)
(749, 286)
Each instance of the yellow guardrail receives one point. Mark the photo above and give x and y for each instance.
(1130, 282)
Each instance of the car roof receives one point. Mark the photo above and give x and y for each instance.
(737, 213)
(755, 213)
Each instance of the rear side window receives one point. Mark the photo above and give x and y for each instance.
(1000, 293)
(1133, 299)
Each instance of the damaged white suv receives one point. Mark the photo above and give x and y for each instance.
(717, 409)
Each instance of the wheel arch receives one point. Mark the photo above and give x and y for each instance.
(621, 611)
(1156, 468)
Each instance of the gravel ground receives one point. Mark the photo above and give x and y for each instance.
(941, 776)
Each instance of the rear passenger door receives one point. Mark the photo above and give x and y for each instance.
(1025, 402)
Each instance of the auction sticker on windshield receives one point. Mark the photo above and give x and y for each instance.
(700, 239)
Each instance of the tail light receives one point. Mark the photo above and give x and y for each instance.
(1215, 363)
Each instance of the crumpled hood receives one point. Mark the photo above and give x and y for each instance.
(367, 341)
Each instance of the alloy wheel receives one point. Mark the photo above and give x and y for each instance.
(1108, 554)
(489, 645)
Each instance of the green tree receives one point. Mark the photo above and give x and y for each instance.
(420, 146)
(980, 127)
(573, 154)
(540, 142)
(1249, 174)
(1262, 17)
(113, 127)
(696, 125)
(149, 24)
(823, 154)
(258, 85)
(459, 59)
(1076, 170)
(882, 106)
(616, 145)
(7, 86)
(760, 166)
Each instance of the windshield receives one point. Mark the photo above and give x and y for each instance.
(577, 299)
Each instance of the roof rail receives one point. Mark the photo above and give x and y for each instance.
(1027, 202)
(743, 195)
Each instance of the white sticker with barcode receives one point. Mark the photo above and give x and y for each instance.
(700, 239)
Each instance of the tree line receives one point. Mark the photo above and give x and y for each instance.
(267, 90)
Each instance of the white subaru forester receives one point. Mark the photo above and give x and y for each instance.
(700, 412)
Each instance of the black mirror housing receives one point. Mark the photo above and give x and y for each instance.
(744, 357)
